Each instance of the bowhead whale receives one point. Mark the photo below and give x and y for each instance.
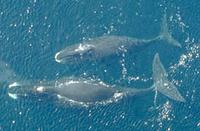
(90, 91)
(104, 46)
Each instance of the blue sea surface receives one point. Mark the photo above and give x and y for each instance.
(33, 31)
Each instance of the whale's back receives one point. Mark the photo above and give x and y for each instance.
(83, 91)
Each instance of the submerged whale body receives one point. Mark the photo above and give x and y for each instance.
(90, 91)
(105, 46)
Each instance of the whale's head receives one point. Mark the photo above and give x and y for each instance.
(75, 53)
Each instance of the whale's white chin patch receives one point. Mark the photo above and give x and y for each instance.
(13, 96)
(14, 84)
(56, 57)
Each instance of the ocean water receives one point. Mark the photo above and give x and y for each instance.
(32, 31)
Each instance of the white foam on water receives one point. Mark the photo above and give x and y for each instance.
(14, 84)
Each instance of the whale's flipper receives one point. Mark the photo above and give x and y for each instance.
(161, 83)
(165, 34)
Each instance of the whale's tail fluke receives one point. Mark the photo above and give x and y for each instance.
(165, 34)
(161, 83)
